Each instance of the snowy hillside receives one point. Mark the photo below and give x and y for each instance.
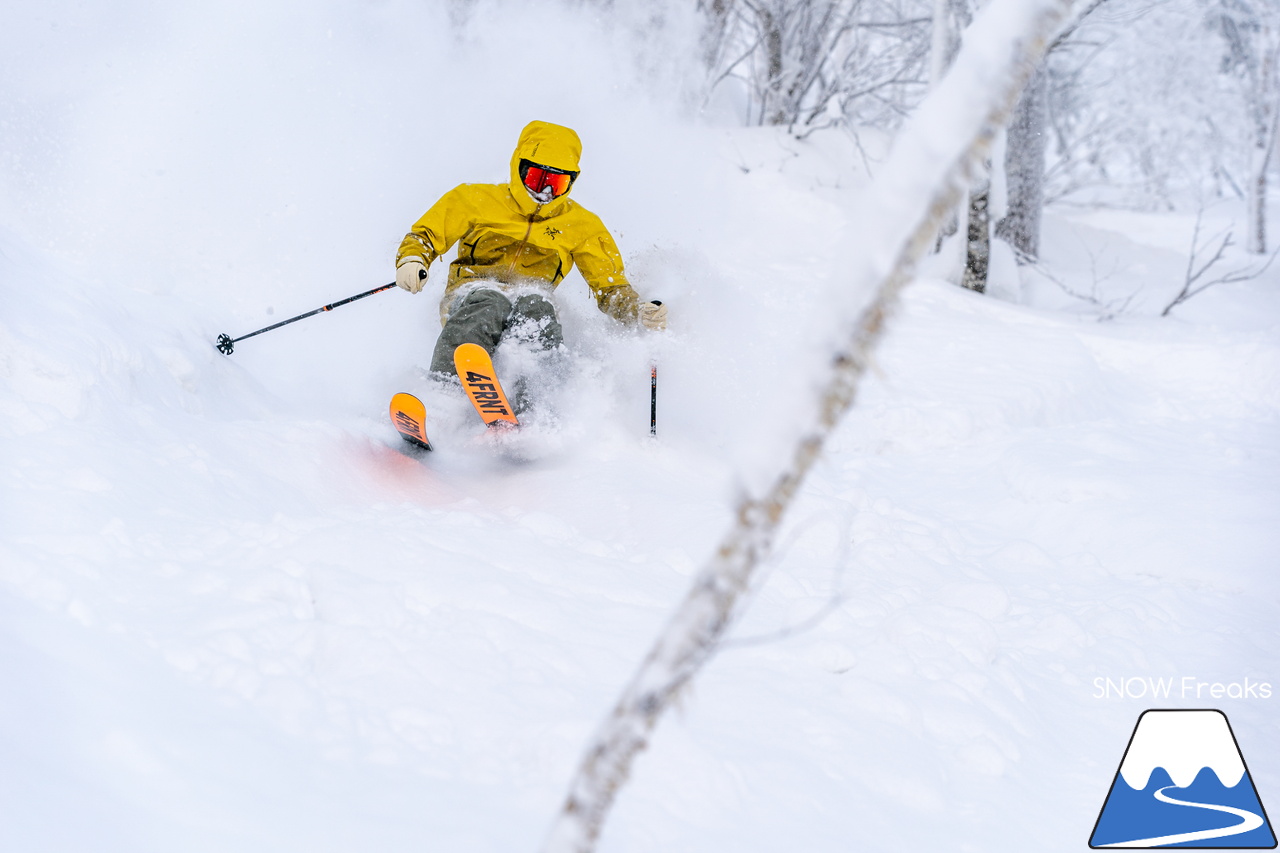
(234, 617)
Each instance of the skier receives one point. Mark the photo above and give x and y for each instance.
(517, 241)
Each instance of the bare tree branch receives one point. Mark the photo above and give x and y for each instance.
(1192, 283)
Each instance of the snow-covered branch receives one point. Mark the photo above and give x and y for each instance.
(1195, 282)
(805, 62)
(919, 184)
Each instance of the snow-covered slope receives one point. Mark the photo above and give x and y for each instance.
(234, 617)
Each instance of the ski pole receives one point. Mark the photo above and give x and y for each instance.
(653, 398)
(226, 343)
(653, 391)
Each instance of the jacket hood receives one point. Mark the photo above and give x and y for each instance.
(549, 145)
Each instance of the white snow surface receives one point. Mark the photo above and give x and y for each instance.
(234, 617)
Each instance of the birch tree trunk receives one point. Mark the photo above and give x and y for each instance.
(715, 30)
(950, 18)
(944, 37)
(1256, 238)
(978, 247)
(1024, 169)
(772, 110)
(944, 41)
(919, 183)
(1266, 126)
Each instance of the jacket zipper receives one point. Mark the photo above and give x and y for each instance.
(511, 269)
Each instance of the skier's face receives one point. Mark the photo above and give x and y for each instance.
(545, 183)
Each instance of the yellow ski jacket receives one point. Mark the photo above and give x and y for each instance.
(504, 235)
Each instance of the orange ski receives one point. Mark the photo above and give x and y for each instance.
(410, 418)
(475, 369)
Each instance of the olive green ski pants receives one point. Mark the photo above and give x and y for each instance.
(485, 315)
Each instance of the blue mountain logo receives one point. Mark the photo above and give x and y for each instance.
(1183, 783)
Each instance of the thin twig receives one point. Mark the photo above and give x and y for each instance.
(1193, 275)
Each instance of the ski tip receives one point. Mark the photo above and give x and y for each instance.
(406, 399)
(409, 416)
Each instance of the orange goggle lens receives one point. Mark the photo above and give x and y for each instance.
(540, 178)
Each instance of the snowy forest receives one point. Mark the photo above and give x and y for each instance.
(959, 452)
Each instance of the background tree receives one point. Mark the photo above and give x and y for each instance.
(1147, 105)
(1250, 30)
(1025, 147)
(950, 18)
(1024, 166)
(813, 63)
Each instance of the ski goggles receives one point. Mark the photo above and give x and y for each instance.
(545, 182)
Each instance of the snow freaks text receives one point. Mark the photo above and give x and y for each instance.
(1184, 687)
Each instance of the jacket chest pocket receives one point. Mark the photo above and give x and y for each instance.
(542, 262)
